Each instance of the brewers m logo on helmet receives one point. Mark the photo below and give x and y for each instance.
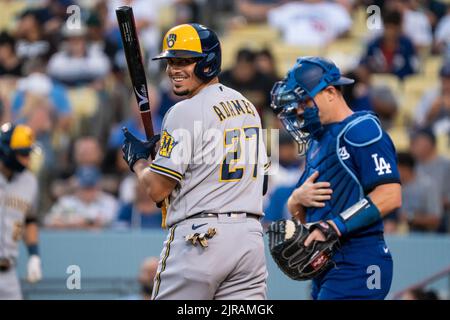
(171, 38)
(167, 144)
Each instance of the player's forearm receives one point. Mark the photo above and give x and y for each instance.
(292, 205)
(142, 170)
(296, 209)
(158, 187)
(387, 197)
(141, 167)
(31, 236)
(370, 209)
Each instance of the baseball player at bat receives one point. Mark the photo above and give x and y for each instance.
(210, 166)
(349, 183)
(18, 194)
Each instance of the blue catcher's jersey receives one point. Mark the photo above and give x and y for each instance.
(354, 156)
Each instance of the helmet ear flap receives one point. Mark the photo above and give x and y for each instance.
(211, 61)
(4, 152)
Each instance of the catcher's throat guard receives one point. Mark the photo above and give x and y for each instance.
(286, 242)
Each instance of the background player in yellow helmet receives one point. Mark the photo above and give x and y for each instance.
(18, 194)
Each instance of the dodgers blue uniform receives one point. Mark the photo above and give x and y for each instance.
(354, 156)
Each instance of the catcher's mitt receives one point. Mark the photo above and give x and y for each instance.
(286, 242)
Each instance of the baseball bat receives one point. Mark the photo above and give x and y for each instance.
(130, 40)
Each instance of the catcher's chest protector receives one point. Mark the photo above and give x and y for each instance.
(330, 157)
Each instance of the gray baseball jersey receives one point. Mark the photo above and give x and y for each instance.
(212, 145)
(17, 201)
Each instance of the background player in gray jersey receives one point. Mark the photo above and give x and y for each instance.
(209, 170)
(18, 193)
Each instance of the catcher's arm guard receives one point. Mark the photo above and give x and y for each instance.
(286, 242)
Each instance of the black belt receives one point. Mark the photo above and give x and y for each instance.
(5, 264)
(228, 214)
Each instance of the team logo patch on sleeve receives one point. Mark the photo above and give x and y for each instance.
(167, 144)
(381, 166)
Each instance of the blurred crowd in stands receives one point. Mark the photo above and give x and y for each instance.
(71, 85)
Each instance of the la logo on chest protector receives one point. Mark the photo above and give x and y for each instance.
(381, 166)
(343, 153)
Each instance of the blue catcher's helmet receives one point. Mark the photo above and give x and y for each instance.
(194, 40)
(303, 82)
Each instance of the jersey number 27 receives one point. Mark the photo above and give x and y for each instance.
(231, 168)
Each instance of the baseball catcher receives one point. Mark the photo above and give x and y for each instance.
(350, 182)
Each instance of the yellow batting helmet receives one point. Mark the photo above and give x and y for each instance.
(194, 41)
(15, 139)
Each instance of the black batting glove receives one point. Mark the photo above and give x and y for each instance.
(134, 149)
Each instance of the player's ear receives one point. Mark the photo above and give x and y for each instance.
(329, 93)
(334, 93)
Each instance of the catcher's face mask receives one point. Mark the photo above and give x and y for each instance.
(293, 107)
(303, 82)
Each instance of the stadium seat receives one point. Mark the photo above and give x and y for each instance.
(418, 84)
(431, 66)
(359, 28)
(231, 45)
(166, 17)
(84, 101)
(389, 80)
(286, 55)
(405, 114)
(253, 36)
(346, 53)
(400, 138)
(10, 11)
(414, 87)
(443, 144)
(347, 45)
(255, 33)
